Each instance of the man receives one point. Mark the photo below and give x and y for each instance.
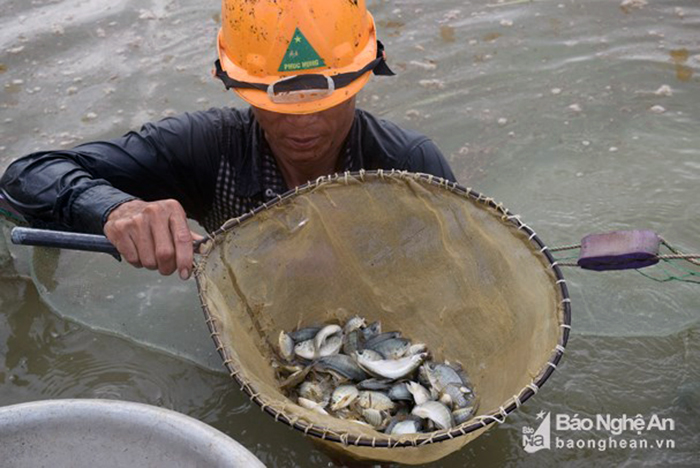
(299, 65)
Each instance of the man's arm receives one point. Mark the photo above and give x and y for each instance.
(166, 166)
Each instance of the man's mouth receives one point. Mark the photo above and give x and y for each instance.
(302, 143)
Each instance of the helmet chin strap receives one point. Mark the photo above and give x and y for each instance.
(310, 81)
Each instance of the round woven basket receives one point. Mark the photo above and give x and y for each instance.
(441, 263)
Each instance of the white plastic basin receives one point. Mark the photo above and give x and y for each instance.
(109, 433)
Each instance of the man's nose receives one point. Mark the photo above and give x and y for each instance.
(301, 120)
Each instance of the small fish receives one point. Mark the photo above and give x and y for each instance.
(374, 328)
(306, 350)
(441, 375)
(376, 339)
(463, 415)
(409, 426)
(352, 342)
(331, 346)
(393, 421)
(296, 378)
(375, 384)
(312, 405)
(436, 412)
(372, 355)
(399, 392)
(315, 390)
(419, 392)
(354, 324)
(424, 375)
(403, 415)
(459, 398)
(375, 400)
(457, 367)
(390, 368)
(343, 365)
(378, 419)
(417, 349)
(445, 399)
(345, 413)
(393, 348)
(286, 345)
(343, 396)
(304, 334)
(290, 368)
(326, 333)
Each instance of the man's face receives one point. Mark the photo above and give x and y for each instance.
(310, 138)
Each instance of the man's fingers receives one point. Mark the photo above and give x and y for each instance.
(143, 238)
(184, 251)
(127, 249)
(123, 242)
(152, 234)
(163, 244)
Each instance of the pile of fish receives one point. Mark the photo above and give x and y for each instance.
(356, 372)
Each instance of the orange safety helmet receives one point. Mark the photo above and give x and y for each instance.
(297, 57)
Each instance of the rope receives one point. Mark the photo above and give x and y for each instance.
(690, 257)
(565, 247)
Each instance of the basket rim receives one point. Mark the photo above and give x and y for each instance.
(477, 422)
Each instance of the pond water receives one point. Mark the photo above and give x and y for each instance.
(581, 116)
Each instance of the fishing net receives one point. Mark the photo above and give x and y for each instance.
(442, 264)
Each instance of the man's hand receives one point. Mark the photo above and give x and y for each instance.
(154, 235)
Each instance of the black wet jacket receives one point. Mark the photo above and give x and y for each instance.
(216, 163)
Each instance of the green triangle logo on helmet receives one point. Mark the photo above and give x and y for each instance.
(300, 55)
